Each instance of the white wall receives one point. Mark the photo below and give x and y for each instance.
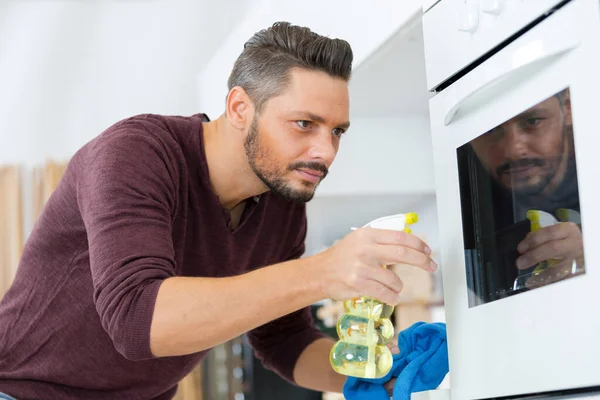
(383, 155)
(365, 25)
(69, 69)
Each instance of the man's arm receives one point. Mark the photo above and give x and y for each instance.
(186, 322)
(313, 369)
(126, 204)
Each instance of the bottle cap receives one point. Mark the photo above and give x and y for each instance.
(396, 222)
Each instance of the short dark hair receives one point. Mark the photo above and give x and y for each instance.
(262, 69)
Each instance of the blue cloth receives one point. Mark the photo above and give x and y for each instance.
(4, 396)
(421, 365)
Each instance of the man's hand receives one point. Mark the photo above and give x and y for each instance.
(353, 267)
(562, 243)
(389, 385)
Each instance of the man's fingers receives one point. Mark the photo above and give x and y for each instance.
(548, 234)
(394, 349)
(380, 292)
(556, 249)
(393, 254)
(386, 236)
(387, 278)
(389, 386)
(536, 256)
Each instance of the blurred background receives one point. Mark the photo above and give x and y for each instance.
(70, 69)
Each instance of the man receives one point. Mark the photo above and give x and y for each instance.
(532, 158)
(170, 235)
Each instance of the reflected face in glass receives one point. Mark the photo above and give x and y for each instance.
(530, 235)
(529, 153)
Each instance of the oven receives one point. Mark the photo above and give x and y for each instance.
(516, 141)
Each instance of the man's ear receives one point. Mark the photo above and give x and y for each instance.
(239, 108)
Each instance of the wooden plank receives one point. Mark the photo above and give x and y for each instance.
(407, 314)
(45, 180)
(38, 192)
(11, 225)
(190, 388)
(418, 284)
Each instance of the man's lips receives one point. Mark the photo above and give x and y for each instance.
(310, 174)
(523, 170)
(519, 168)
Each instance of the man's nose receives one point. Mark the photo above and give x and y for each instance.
(323, 148)
(515, 143)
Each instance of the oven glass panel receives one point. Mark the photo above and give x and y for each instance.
(520, 203)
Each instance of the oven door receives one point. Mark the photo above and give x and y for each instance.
(517, 163)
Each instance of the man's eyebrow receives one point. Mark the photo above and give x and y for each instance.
(538, 108)
(344, 125)
(531, 113)
(317, 118)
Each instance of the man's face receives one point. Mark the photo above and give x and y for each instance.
(528, 154)
(294, 141)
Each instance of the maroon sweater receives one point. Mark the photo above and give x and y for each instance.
(135, 207)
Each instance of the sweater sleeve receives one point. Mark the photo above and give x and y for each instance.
(125, 194)
(279, 343)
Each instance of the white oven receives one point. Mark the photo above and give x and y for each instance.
(516, 137)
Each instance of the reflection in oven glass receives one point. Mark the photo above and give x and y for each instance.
(520, 203)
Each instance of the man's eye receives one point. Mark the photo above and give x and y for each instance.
(303, 124)
(533, 121)
(338, 132)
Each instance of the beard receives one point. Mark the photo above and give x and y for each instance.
(530, 185)
(265, 167)
(542, 177)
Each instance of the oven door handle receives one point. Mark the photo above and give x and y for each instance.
(522, 58)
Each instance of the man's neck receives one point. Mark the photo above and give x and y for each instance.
(230, 175)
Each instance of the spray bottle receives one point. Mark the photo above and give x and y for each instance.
(365, 328)
(568, 215)
(540, 219)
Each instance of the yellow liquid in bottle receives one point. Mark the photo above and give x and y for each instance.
(352, 360)
(366, 327)
(363, 331)
(354, 329)
(368, 308)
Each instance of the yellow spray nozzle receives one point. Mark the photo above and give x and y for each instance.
(533, 215)
(562, 214)
(410, 218)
